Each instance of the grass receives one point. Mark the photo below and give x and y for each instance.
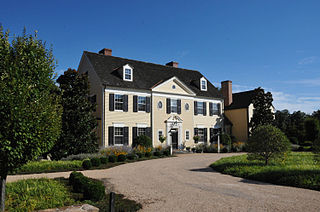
(49, 166)
(36, 194)
(60, 166)
(299, 169)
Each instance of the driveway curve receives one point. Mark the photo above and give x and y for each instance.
(186, 183)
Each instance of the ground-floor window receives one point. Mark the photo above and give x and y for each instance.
(141, 131)
(187, 134)
(201, 134)
(160, 134)
(118, 135)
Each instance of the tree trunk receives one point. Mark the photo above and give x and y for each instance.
(3, 178)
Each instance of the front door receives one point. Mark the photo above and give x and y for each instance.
(174, 138)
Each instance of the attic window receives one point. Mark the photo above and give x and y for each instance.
(203, 84)
(127, 73)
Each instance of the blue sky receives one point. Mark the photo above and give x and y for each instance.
(273, 44)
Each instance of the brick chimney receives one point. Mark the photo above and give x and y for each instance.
(107, 52)
(173, 64)
(226, 89)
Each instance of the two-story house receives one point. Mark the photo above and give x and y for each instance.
(139, 98)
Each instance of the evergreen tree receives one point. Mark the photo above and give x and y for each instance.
(262, 113)
(78, 121)
(30, 112)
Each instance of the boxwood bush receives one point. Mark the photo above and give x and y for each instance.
(112, 158)
(148, 154)
(104, 160)
(95, 162)
(121, 158)
(86, 164)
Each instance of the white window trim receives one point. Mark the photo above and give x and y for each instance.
(114, 102)
(185, 135)
(202, 79)
(141, 128)
(142, 125)
(143, 111)
(114, 135)
(161, 133)
(171, 107)
(124, 73)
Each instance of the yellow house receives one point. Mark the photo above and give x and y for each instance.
(139, 98)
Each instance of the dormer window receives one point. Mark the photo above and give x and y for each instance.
(127, 73)
(203, 84)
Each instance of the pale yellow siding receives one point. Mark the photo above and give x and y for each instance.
(239, 119)
(171, 86)
(129, 119)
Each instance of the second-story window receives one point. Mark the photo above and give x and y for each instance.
(128, 74)
(203, 84)
(118, 102)
(141, 103)
(174, 105)
(200, 107)
(141, 131)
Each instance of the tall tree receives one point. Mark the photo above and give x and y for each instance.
(262, 113)
(30, 112)
(312, 129)
(282, 119)
(316, 114)
(296, 126)
(78, 121)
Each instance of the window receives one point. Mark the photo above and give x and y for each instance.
(128, 74)
(160, 134)
(203, 84)
(159, 105)
(187, 135)
(118, 102)
(141, 131)
(118, 135)
(174, 105)
(201, 134)
(186, 106)
(173, 87)
(141, 103)
(200, 107)
(215, 109)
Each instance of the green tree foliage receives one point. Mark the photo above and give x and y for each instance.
(78, 121)
(262, 113)
(142, 140)
(30, 112)
(267, 142)
(316, 114)
(282, 120)
(312, 129)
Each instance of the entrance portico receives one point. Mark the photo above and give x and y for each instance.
(174, 131)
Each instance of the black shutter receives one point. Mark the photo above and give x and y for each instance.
(211, 135)
(195, 133)
(179, 106)
(210, 108)
(204, 108)
(134, 135)
(148, 101)
(125, 103)
(168, 106)
(135, 103)
(111, 102)
(110, 132)
(195, 108)
(219, 109)
(205, 137)
(149, 132)
(126, 136)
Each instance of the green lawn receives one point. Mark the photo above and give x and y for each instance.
(298, 170)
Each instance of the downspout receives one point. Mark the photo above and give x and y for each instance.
(102, 118)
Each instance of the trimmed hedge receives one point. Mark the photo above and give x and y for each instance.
(86, 164)
(104, 160)
(95, 161)
(112, 158)
(121, 158)
(148, 154)
(92, 189)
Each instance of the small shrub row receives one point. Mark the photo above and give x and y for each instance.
(92, 189)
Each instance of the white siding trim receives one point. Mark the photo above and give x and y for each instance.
(117, 91)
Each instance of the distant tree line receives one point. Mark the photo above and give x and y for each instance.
(298, 126)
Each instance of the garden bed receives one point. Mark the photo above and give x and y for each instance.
(299, 169)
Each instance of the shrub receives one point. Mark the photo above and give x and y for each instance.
(121, 158)
(188, 148)
(294, 140)
(225, 150)
(199, 148)
(226, 141)
(210, 149)
(94, 190)
(142, 140)
(81, 156)
(193, 149)
(95, 162)
(86, 164)
(140, 154)
(104, 160)
(132, 156)
(307, 143)
(238, 146)
(267, 142)
(166, 151)
(112, 158)
(116, 150)
(157, 153)
(36, 194)
(148, 154)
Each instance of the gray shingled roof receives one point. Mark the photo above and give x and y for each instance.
(146, 75)
(241, 100)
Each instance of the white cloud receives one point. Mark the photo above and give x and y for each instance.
(307, 82)
(308, 60)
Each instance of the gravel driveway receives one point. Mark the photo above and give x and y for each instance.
(185, 183)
